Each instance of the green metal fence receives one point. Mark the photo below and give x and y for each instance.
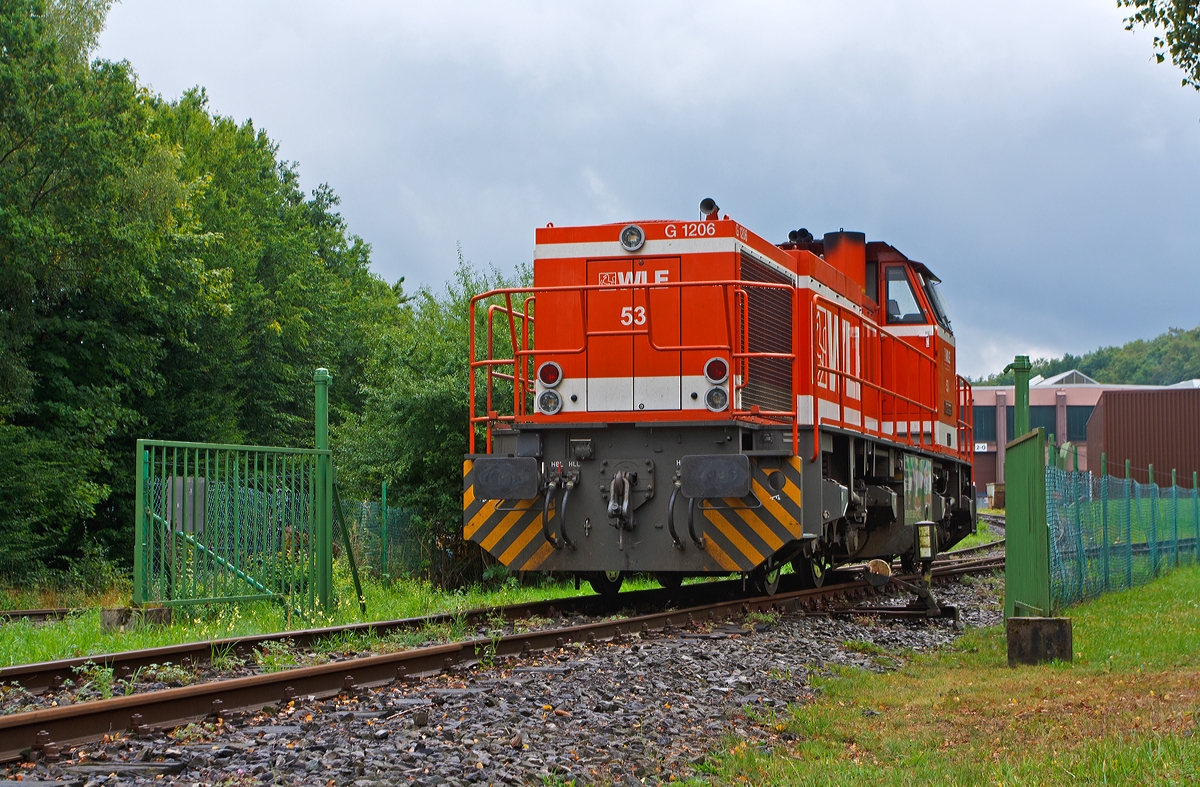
(389, 548)
(231, 523)
(222, 523)
(1113, 533)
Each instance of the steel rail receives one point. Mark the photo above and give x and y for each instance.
(42, 675)
(83, 722)
(53, 613)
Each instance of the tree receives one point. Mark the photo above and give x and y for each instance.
(161, 275)
(1164, 360)
(92, 222)
(413, 427)
(1179, 23)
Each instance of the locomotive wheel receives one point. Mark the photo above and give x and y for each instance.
(607, 583)
(766, 583)
(812, 571)
(671, 580)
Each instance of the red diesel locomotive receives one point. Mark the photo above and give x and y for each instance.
(686, 398)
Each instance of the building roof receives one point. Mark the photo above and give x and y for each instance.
(1073, 377)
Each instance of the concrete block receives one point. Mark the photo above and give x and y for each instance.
(1038, 640)
(153, 616)
(115, 619)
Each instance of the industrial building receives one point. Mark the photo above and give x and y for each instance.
(1064, 404)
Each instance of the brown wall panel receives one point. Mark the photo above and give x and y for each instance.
(1147, 427)
(985, 472)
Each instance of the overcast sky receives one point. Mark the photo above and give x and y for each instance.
(1030, 153)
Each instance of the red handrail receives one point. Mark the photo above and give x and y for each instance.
(521, 349)
(882, 351)
(893, 342)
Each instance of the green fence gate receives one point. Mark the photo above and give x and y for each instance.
(1026, 537)
(229, 523)
(1071, 536)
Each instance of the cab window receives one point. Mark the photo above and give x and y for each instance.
(902, 306)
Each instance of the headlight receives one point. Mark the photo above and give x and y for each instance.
(549, 402)
(716, 371)
(632, 238)
(549, 374)
(717, 399)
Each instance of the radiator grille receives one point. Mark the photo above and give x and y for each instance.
(770, 384)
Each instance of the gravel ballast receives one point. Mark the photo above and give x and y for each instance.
(639, 711)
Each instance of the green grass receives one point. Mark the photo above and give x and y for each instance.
(982, 535)
(24, 642)
(1124, 712)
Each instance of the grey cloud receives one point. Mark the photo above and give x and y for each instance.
(1030, 154)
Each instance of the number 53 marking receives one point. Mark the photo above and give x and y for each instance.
(633, 315)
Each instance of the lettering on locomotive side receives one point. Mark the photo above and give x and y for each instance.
(617, 278)
(699, 229)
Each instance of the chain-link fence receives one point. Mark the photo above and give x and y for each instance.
(394, 550)
(1112, 533)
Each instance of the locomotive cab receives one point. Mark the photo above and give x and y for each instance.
(686, 398)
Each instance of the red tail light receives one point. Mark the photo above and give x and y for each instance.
(549, 374)
(716, 371)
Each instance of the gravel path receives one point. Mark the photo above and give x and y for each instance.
(637, 712)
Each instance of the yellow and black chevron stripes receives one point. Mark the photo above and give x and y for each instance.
(739, 534)
(509, 529)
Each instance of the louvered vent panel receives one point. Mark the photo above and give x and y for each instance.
(770, 385)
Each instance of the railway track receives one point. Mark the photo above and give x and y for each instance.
(71, 724)
(37, 615)
(41, 676)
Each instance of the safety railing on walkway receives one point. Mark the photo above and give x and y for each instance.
(512, 366)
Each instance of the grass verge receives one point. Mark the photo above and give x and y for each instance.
(1125, 712)
(23, 642)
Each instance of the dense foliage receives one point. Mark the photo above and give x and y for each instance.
(411, 430)
(1164, 360)
(1177, 32)
(161, 275)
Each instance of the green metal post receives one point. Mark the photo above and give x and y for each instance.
(1104, 514)
(383, 544)
(1080, 552)
(1075, 455)
(1052, 453)
(141, 468)
(1020, 368)
(1152, 536)
(324, 492)
(1174, 519)
(1128, 525)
